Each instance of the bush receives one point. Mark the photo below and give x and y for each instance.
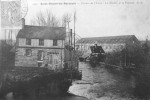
(142, 74)
(113, 58)
(142, 86)
(141, 60)
(126, 57)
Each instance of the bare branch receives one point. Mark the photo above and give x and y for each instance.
(48, 19)
(66, 19)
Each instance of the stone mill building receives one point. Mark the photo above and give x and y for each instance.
(40, 46)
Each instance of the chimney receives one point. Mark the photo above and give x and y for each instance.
(23, 23)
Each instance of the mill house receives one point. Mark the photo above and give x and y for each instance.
(40, 46)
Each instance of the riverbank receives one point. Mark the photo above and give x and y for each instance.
(67, 96)
(35, 84)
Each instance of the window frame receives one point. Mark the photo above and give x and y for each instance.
(42, 55)
(55, 42)
(41, 42)
(27, 51)
(28, 41)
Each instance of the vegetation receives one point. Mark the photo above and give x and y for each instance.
(138, 60)
(127, 57)
(49, 19)
(6, 57)
(142, 88)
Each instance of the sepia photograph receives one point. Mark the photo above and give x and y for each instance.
(74, 50)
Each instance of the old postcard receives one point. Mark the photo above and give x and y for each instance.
(74, 49)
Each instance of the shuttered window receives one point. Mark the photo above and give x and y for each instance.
(54, 42)
(41, 42)
(28, 41)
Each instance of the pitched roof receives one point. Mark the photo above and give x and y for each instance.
(109, 39)
(42, 32)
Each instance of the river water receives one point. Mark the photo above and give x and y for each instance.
(97, 83)
(66, 97)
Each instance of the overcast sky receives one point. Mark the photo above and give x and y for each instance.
(103, 19)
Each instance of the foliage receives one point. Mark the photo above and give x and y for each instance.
(142, 87)
(146, 47)
(113, 58)
(142, 75)
(7, 57)
(127, 57)
(139, 57)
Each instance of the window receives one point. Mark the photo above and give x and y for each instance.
(40, 55)
(41, 42)
(28, 41)
(54, 42)
(50, 59)
(55, 61)
(28, 52)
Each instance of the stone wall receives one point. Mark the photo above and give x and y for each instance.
(71, 58)
(22, 60)
(32, 61)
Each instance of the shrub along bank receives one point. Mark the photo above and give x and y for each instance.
(135, 62)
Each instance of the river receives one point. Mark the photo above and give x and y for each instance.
(66, 97)
(97, 84)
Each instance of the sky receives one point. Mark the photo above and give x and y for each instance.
(97, 18)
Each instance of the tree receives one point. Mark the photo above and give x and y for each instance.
(66, 19)
(46, 19)
(146, 47)
(49, 19)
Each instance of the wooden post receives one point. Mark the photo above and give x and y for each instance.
(125, 56)
(74, 27)
(71, 37)
(61, 54)
(5, 36)
(1, 41)
(11, 37)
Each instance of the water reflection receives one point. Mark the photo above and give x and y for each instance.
(64, 97)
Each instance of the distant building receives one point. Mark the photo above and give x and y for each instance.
(40, 46)
(109, 44)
